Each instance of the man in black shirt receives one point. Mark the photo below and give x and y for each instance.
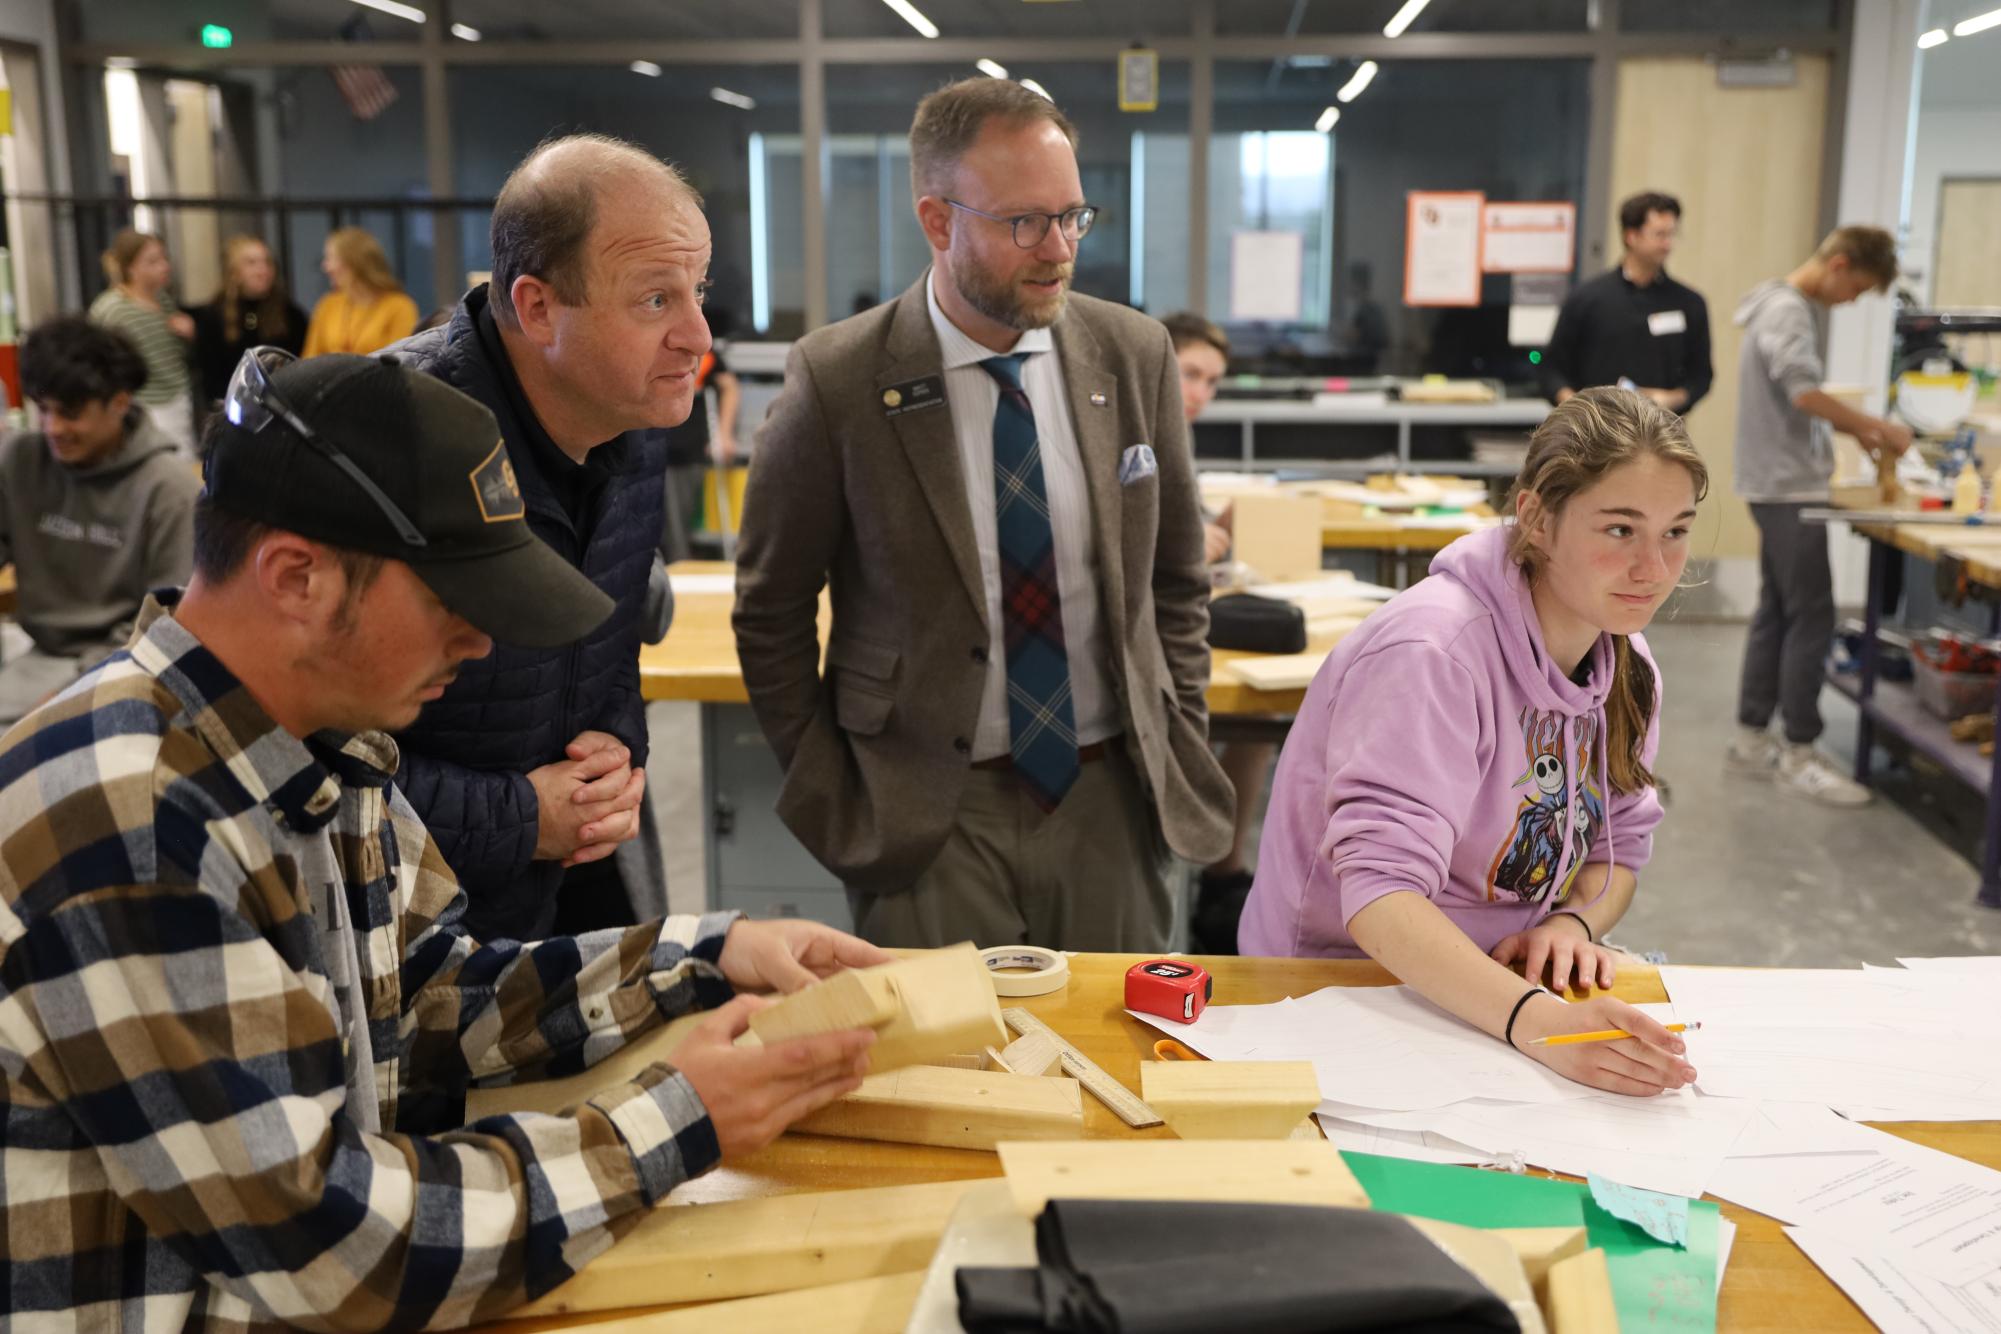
(1634, 325)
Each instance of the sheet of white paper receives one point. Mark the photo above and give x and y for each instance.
(688, 585)
(1843, 998)
(1329, 588)
(1422, 1145)
(1726, 1237)
(1837, 1067)
(1265, 275)
(1977, 964)
(1942, 1212)
(1897, 1297)
(1791, 1129)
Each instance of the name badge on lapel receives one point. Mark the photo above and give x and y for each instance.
(1136, 463)
(1667, 322)
(913, 396)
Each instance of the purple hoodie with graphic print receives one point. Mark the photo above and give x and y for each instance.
(1438, 752)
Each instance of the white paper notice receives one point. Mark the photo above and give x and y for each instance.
(1942, 1213)
(1898, 1298)
(1267, 272)
(1529, 238)
(1442, 248)
(1422, 1145)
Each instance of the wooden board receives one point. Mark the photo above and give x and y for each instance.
(864, 1306)
(1490, 1257)
(936, 1002)
(1284, 1171)
(1030, 1054)
(1280, 671)
(1278, 536)
(1540, 1248)
(1580, 1295)
(1230, 1099)
(689, 1253)
(953, 1109)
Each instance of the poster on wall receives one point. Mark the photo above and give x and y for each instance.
(1528, 237)
(1441, 264)
(1267, 271)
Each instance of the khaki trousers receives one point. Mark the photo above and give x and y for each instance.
(1094, 874)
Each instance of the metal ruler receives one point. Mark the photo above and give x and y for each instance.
(1124, 1103)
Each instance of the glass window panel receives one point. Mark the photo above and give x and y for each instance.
(1728, 16)
(1123, 20)
(613, 20)
(1513, 129)
(500, 113)
(874, 246)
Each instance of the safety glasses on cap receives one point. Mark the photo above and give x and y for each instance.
(251, 403)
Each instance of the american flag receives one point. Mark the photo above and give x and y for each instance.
(365, 88)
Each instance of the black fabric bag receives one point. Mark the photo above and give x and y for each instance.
(1150, 1267)
(1256, 625)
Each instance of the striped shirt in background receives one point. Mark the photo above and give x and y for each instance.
(164, 352)
(187, 1138)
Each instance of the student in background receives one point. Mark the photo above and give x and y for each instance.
(138, 305)
(1470, 780)
(96, 507)
(252, 309)
(1203, 353)
(1635, 323)
(1785, 460)
(368, 309)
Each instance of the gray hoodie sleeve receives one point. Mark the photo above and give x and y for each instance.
(170, 530)
(1788, 343)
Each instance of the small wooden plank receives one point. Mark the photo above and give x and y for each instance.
(863, 1306)
(1280, 671)
(942, 1003)
(1030, 1054)
(1230, 1099)
(1282, 1171)
(1491, 1258)
(1541, 1248)
(1277, 535)
(1123, 1103)
(1580, 1295)
(702, 1253)
(953, 1109)
(960, 1061)
(857, 998)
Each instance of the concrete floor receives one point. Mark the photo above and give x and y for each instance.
(1743, 873)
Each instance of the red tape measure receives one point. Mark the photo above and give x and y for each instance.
(1171, 988)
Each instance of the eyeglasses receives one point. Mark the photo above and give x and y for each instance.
(1031, 228)
(251, 403)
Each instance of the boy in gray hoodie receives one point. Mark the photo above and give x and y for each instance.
(1785, 460)
(96, 508)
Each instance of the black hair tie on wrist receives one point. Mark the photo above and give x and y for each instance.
(1589, 934)
(1509, 1035)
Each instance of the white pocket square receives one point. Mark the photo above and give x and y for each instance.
(1135, 463)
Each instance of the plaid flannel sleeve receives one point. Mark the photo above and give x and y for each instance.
(201, 1059)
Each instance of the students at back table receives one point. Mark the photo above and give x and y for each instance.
(1470, 781)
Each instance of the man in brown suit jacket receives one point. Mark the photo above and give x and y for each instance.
(1011, 732)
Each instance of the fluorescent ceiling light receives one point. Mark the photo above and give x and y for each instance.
(908, 13)
(1327, 119)
(464, 33)
(1404, 17)
(646, 67)
(990, 68)
(401, 11)
(1978, 23)
(1037, 89)
(730, 99)
(1360, 79)
(1936, 37)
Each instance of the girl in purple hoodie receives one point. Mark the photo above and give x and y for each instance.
(1469, 782)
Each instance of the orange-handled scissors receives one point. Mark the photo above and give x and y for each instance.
(1167, 1049)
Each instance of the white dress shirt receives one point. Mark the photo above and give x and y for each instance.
(972, 396)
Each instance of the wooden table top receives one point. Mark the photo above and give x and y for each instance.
(1769, 1285)
(1392, 534)
(697, 661)
(1978, 548)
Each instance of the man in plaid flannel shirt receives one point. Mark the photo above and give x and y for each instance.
(237, 1011)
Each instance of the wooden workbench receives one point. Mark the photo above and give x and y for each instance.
(697, 661)
(1769, 1285)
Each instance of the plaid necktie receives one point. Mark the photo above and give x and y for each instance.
(1042, 727)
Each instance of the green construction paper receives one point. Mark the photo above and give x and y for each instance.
(1654, 1285)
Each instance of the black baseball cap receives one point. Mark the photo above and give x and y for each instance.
(368, 454)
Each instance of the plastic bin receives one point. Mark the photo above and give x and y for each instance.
(1952, 695)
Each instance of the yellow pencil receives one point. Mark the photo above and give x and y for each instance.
(1603, 1035)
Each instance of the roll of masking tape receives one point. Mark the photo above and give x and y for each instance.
(1048, 970)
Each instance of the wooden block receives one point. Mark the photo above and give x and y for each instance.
(939, 1003)
(1540, 1248)
(1244, 1171)
(960, 1061)
(1278, 536)
(953, 1109)
(857, 998)
(864, 1306)
(1580, 1295)
(1029, 1054)
(1279, 671)
(707, 1252)
(1230, 1099)
(1489, 1257)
